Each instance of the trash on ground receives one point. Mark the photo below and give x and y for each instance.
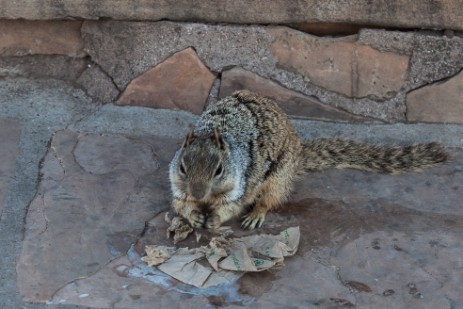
(223, 257)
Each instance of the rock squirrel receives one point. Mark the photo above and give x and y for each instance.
(244, 155)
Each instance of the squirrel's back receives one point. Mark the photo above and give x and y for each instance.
(244, 154)
(257, 131)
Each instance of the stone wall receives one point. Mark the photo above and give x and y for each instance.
(326, 60)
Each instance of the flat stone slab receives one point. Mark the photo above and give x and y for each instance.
(10, 132)
(94, 196)
(367, 239)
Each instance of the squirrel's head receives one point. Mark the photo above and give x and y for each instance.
(201, 169)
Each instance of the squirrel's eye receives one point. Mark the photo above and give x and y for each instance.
(182, 169)
(218, 171)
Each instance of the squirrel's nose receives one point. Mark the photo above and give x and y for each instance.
(198, 191)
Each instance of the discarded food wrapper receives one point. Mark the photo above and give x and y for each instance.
(157, 254)
(223, 257)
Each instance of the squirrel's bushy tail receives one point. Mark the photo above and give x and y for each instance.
(325, 153)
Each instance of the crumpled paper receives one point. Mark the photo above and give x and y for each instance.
(223, 257)
(178, 226)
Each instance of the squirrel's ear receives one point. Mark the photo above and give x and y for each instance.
(218, 139)
(189, 139)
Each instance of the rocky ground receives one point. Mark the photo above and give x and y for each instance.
(81, 183)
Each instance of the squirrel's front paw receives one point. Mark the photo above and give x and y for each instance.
(252, 220)
(213, 222)
(197, 219)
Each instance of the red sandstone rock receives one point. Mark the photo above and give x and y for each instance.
(180, 82)
(19, 37)
(438, 102)
(293, 103)
(340, 65)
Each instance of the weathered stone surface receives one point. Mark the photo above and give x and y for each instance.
(293, 103)
(9, 140)
(43, 66)
(439, 102)
(97, 84)
(126, 50)
(19, 38)
(433, 56)
(121, 290)
(415, 274)
(434, 191)
(94, 197)
(340, 65)
(97, 192)
(181, 81)
(361, 231)
(364, 235)
(438, 14)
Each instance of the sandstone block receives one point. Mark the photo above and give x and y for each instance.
(340, 65)
(437, 14)
(92, 202)
(432, 57)
(293, 103)
(43, 66)
(438, 102)
(19, 38)
(182, 81)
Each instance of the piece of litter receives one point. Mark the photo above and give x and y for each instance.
(182, 232)
(222, 258)
(215, 252)
(180, 228)
(224, 231)
(157, 254)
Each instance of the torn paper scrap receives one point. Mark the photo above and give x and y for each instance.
(239, 259)
(261, 252)
(223, 258)
(156, 255)
(215, 252)
(180, 228)
(185, 268)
